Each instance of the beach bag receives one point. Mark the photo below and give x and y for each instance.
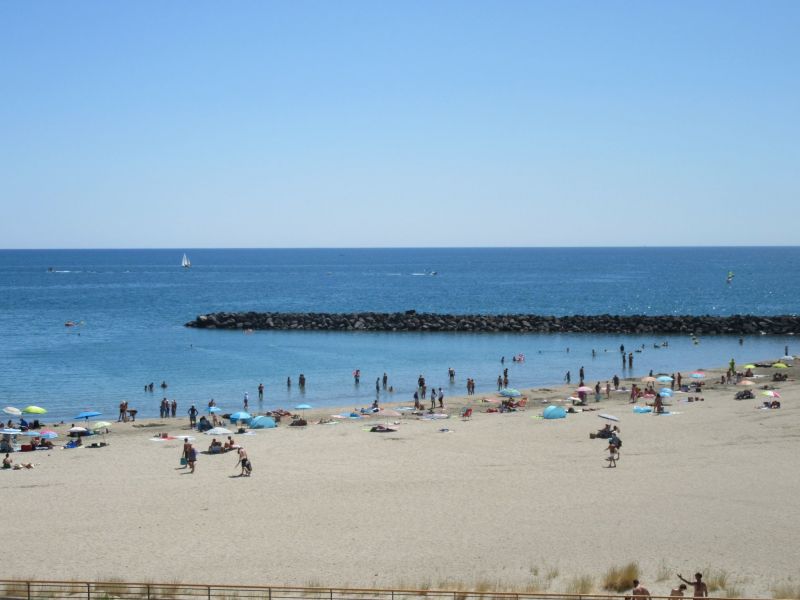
(183, 461)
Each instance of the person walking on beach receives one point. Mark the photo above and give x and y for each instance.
(613, 455)
(247, 468)
(700, 587)
(260, 392)
(192, 416)
(441, 398)
(639, 591)
(185, 451)
(608, 391)
(191, 458)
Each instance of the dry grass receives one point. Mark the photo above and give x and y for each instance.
(663, 573)
(786, 591)
(620, 579)
(580, 584)
(716, 580)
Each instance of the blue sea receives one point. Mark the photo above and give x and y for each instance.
(132, 304)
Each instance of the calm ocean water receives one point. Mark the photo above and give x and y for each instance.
(133, 303)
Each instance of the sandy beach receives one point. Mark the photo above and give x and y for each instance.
(507, 500)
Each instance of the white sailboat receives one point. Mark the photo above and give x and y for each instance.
(185, 262)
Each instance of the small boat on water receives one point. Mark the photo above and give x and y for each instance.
(185, 262)
(730, 277)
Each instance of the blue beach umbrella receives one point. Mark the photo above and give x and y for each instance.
(698, 375)
(212, 410)
(303, 407)
(241, 416)
(49, 435)
(664, 378)
(665, 392)
(87, 414)
(10, 431)
(510, 393)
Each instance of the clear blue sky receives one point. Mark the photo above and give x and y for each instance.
(433, 123)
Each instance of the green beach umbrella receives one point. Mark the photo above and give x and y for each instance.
(776, 366)
(750, 366)
(34, 410)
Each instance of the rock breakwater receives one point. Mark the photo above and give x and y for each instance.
(413, 321)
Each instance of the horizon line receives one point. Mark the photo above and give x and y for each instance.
(191, 248)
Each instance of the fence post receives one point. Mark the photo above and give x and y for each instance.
(209, 592)
(148, 591)
(28, 584)
(88, 591)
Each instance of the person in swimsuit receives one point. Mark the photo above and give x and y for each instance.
(245, 462)
(700, 587)
(678, 591)
(639, 591)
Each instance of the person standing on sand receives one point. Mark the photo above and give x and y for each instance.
(608, 391)
(192, 416)
(441, 398)
(613, 456)
(191, 458)
(639, 591)
(616, 382)
(700, 587)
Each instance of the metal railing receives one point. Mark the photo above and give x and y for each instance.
(112, 590)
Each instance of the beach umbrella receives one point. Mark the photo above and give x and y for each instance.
(14, 412)
(241, 416)
(664, 378)
(771, 394)
(303, 407)
(78, 430)
(750, 366)
(779, 365)
(30, 433)
(586, 388)
(100, 425)
(648, 379)
(787, 357)
(746, 382)
(87, 414)
(212, 410)
(698, 375)
(219, 431)
(10, 431)
(48, 435)
(510, 393)
(34, 410)
(665, 391)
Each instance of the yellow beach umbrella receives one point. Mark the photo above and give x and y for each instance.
(750, 366)
(776, 366)
(34, 410)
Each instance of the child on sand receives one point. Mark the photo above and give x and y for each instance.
(613, 454)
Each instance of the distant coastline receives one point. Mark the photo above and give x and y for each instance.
(410, 320)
